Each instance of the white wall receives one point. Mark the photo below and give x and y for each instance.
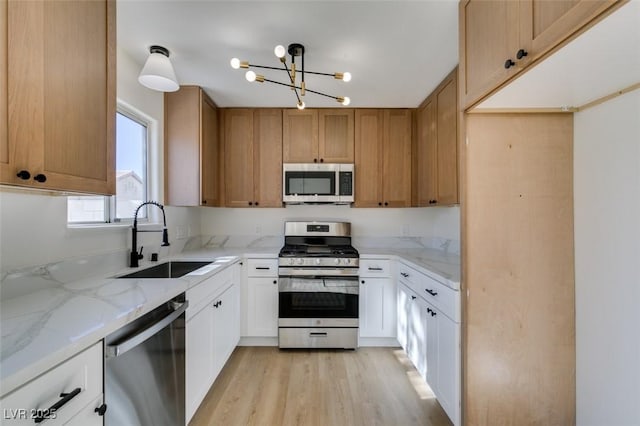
(33, 226)
(607, 248)
(441, 222)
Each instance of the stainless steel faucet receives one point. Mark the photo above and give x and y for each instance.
(135, 256)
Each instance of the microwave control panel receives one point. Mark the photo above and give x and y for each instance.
(346, 183)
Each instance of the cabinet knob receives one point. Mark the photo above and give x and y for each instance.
(101, 409)
(315, 160)
(322, 160)
(275, 281)
(40, 178)
(250, 203)
(521, 53)
(204, 201)
(362, 281)
(24, 174)
(386, 204)
(413, 297)
(256, 203)
(379, 204)
(509, 63)
(431, 292)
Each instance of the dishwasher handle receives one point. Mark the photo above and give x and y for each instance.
(121, 348)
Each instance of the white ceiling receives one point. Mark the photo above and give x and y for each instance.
(599, 62)
(397, 51)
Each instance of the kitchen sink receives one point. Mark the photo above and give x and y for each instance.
(173, 269)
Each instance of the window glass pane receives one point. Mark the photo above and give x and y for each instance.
(131, 165)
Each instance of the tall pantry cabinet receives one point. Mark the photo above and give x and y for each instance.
(58, 95)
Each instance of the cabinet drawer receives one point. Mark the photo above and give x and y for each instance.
(262, 267)
(83, 372)
(202, 293)
(441, 296)
(408, 275)
(375, 268)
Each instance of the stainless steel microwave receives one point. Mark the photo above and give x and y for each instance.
(317, 183)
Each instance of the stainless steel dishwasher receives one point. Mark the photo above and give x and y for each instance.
(145, 370)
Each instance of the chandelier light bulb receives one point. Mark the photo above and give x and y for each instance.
(250, 76)
(280, 51)
(301, 105)
(346, 77)
(235, 63)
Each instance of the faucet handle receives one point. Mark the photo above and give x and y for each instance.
(140, 255)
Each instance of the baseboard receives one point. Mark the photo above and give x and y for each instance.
(258, 341)
(391, 342)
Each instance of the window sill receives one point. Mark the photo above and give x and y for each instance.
(114, 226)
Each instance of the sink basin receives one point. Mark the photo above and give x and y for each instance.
(175, 269)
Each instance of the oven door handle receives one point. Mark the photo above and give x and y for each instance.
(121, 348)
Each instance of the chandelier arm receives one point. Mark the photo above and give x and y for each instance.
(295, 88)
(320, 73)
(265, 67)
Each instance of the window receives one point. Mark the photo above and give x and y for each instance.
(131, 177)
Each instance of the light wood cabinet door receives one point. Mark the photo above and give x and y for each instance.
(4, 117)
(368, 157)
(336, 135)
(396, 158)
(300, 136)
(210, 155)
(426, 155)
(60, 57)
(447, 142)
(238, 157)
(267, 156)
(544, 24)
(488, 37)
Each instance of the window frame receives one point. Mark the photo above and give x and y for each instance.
(109, 217)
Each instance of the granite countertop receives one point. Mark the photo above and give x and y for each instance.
(49, 313)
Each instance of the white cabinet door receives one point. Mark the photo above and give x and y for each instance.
(377, 305)
(448, 364)
(417, 333)
(226, 331)
(403, 316)
(88, 415)
(262, 307)
(199, 358)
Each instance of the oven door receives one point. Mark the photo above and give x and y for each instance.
(317, 301)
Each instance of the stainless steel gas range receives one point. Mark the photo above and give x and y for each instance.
(318, 286)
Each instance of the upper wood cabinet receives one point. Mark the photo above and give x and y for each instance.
(318, 136)
(436, 150)
(498, 39)
(192, 148)
(253, 157)
(58, 95)
(382, 158)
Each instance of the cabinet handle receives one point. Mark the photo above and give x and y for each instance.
(362, 281)
(101, 409)
(256, 203)
(375, 268)
(413, 297)
(404, 274)
(521, 53)
(431, 292)
(204, 201)
(40, 178)
(217, 304)
(250, 203)
(509, 63)
(315, 160)
(66, 397)
(263, 268)
(386, 204)
(379, 204)
(322, 160)
(275, 281)
(433, 313)
(24, 174)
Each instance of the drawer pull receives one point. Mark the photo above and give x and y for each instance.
(317, 334)
(431, 311)
(431, 292)
(101, 409)
(375, 268)
(413, 297)
(66, 397)
(262, 268)
(404, 274)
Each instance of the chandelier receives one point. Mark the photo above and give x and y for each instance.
(296, 50)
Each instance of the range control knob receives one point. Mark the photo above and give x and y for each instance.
(336, 261)
(299, 261)
(346, 261)
(317, 261)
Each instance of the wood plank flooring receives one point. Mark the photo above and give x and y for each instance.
(369, 386)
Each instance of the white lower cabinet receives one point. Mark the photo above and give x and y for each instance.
(75, 385)
(377, 299)
(212, 333)
(430, 337)
(261, 297)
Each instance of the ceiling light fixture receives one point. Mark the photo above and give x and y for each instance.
(157, 73)
(295, 50)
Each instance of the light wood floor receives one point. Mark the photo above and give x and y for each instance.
(370, 386)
